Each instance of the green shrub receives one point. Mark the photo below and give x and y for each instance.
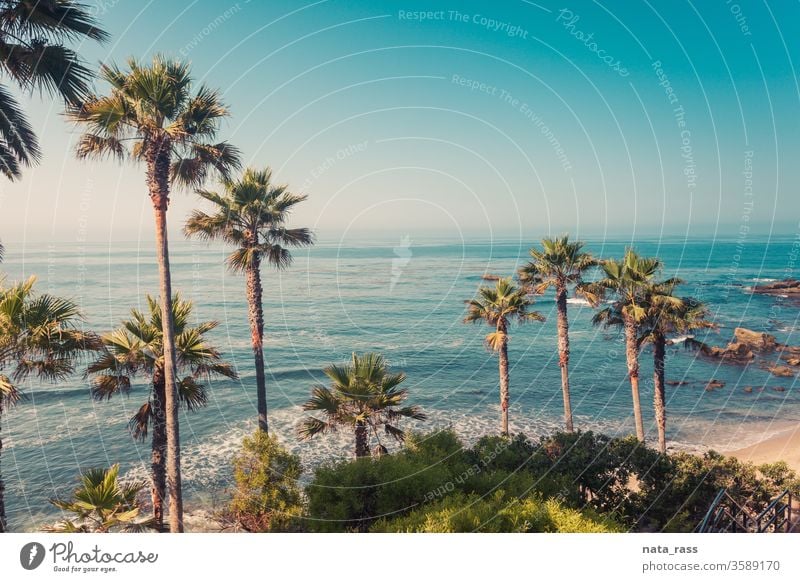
(497, 513)
(350, 495)
(423, 487)
(679, 494)
(267, 496)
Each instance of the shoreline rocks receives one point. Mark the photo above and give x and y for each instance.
(784, 288)
(744, 347)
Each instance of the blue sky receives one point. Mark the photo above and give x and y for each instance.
(472, 119)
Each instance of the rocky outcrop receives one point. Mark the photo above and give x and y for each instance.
(714, 385)
(750, 346)
(744, 347)
(782, 371)
(785, 288)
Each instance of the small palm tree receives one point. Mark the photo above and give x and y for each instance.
(32, 37)
(152, 116)
(251, 216)
(137, 348)
(101, 504)
(497, 306)
(559, 263)
(627, 281)
(364, 396)
(667, 314)
(40, 337)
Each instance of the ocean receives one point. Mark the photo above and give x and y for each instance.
(404, 298)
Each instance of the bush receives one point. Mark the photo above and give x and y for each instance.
(426, 486)
(460, 513)
(351, 495)
(680, 495)
(267, 496)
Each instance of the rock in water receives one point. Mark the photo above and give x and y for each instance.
(785, 288)
(783, 371)
(743, 348)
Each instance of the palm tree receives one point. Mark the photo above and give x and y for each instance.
(137, 348)
(102, 504)
(365, 396)
(40, 337)
(251, 215)
(667, 314)
(32, 37)
(151, 115)
(559, 264)
(497, 306)
(627, 281)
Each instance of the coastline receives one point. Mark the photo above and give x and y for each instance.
(784, 446)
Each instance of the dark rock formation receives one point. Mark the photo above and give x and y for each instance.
(787, 287)
(744, 346)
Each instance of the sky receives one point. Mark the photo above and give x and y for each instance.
(457, 119)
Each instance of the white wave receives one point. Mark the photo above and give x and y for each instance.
(679, 339)
(578, 301)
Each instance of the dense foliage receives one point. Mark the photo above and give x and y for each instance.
(267, 497)
(563, 482)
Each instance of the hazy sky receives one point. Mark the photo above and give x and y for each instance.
(480, 119)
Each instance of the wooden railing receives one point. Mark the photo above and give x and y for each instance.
(726, 515)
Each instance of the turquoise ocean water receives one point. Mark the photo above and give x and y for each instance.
(402, 297)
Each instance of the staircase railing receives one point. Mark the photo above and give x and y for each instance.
(777, 516)
(726, 515)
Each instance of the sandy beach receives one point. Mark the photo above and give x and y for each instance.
(784, 446)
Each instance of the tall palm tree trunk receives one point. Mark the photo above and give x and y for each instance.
(2, 483)
(632, 356)
(563, 351)
(659, 401)
(503, 367)
(362, 443)
(256, 316)
(158, 457)
(158, 160)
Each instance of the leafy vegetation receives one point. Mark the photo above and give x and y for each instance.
(136, 349)
(251, 215)
(559, 263)
(151, 115)
(102, 504)
(563, 482)
(267, 496)
(41, 337)
(497, 513)
(364, 396)
(497, 307)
